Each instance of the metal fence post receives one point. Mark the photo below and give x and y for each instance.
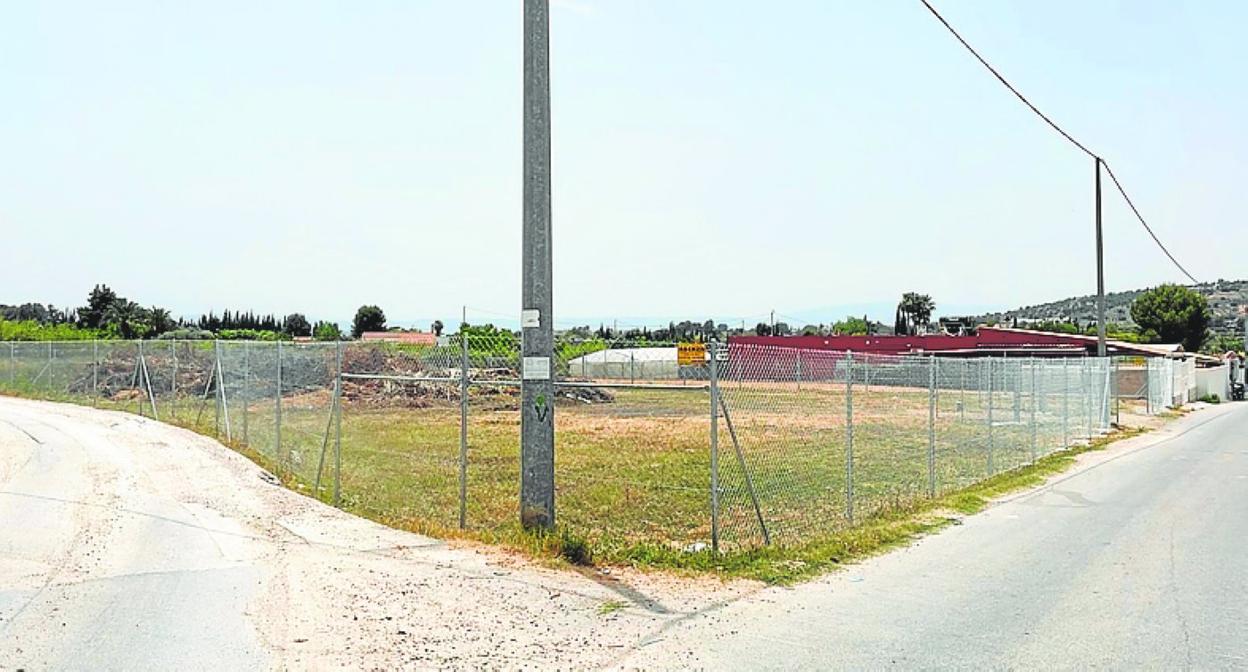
(1111, 387)
(147, 380)
(1033, 409)
(95, 372)
(1087, 395)
(142, 387)
(216, 377)
(1065, 403)
(463, 429)
(1148, 386)
(277, 408)
(246, 390)
(991, 394)
(962, 390)
(714, 374)
(13, 363)
(849, 437)
(338, 428)
(931, 426)
(1117, 393)
(51, 371)
(799, 369)
(225, 400)
(172, 381)
(1018, 388)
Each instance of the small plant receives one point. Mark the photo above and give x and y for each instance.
(610, 607)
(1211, 399)
(574, 548)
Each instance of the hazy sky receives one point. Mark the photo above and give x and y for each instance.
(711, 159)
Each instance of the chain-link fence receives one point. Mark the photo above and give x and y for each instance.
(818, 440)
(735, 447)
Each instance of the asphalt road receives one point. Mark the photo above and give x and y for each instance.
(1139, 560)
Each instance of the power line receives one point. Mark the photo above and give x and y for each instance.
(1007, 85)
(1147, 228)
(1063, 133)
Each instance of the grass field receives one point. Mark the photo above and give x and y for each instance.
(633, 476)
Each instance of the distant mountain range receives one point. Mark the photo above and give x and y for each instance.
(1226, 297)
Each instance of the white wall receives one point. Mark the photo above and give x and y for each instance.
(1216, 380)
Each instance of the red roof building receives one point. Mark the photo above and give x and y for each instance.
(994, 341)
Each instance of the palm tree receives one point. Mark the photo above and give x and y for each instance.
(160, 320)
(126, 318)
(917, 309)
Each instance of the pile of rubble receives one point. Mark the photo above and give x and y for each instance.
(119, 376)
(443, 390)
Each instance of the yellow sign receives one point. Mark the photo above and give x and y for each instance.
(691, 354)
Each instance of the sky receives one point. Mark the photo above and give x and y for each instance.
(710, 159)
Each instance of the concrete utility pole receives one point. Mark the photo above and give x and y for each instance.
(537, 398)
(1100, 267)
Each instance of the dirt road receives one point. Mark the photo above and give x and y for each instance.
(129, 544)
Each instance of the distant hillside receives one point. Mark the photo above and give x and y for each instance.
(1225, 299)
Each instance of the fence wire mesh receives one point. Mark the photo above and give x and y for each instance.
(743, 446)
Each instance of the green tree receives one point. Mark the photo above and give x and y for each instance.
(437, 327)
(327, 331)
(762, 329)
(1175, 313)
(126, 319)
(851, 326)
(1222, 343)
(368, 318)
(159, 320)
(91, 315)
(296, 324)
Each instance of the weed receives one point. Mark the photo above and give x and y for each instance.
(610, 607)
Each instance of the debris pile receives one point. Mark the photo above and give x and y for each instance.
(423, 381)
(119, 376)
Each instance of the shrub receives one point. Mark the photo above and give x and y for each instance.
(30, 330)
(187, 334)
(249, 335)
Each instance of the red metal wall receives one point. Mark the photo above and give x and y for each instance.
(988, 337)
(883, 345)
